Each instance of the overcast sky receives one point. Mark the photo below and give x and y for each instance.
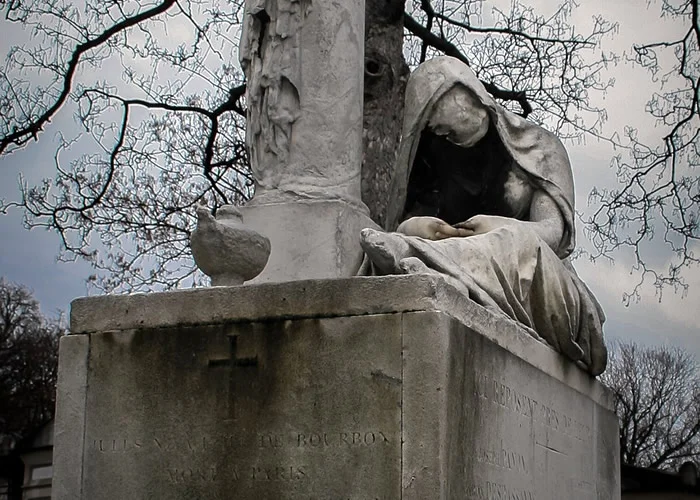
(28, 257)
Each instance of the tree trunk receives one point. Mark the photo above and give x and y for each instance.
(386, 73)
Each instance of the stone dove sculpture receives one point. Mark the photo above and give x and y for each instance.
(224, 249)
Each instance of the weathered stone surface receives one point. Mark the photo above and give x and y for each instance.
(300, 299)
(481, 423)
(309, 239)
(415, 399)
(69, 425)
(487, 200)
(304, 66)
(225, 249)
(323, 298)
(178, 414)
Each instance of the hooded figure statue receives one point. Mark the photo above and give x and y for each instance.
(485, 199)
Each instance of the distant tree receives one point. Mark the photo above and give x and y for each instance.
(657, 399)
(28, 362)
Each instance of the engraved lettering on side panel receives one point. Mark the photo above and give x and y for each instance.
(545, 447)
(489, 490)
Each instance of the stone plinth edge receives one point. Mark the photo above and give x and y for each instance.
(356, 296)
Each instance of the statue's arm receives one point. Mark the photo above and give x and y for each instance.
(545, 220)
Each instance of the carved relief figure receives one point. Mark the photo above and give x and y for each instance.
(270, 56)
(302, 62)
(485, 198)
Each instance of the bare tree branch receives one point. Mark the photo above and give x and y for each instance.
(22, 135)
(433, 40)
(164, 126)
(449, 49)
(659, 189)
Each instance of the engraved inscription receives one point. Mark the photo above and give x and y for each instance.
(210, 475)
(199, 444)
(316, 440)
(254, 473)
(278, 473)
(503, 458)
(497, 491)
(528, 444)
(190, 444)
(233, 362)
(213, 444)
(116, 445)
(516, 402)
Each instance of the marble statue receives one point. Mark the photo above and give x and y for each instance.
(485, 198)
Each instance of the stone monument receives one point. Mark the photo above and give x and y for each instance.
(309, 382)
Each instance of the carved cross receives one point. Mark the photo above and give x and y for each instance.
(233, 363)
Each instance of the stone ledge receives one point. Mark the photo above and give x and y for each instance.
(356, 296)
(260, 302)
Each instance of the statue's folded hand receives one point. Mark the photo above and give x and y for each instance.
(482, 224)
(430, 228)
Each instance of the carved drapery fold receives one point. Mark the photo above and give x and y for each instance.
(270, 57)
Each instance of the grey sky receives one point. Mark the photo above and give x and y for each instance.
(29, 257)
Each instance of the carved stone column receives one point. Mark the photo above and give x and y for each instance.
(304, 64)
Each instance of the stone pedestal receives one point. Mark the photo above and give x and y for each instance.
(364, 388)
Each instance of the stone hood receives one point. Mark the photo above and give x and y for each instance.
(537, 151)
